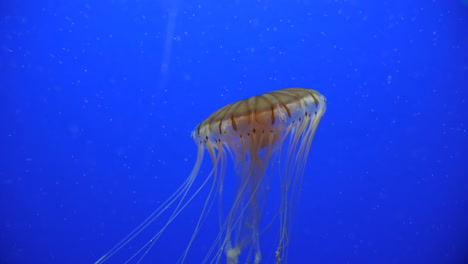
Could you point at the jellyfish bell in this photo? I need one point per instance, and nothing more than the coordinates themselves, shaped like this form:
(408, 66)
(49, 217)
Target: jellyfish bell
(266, 136)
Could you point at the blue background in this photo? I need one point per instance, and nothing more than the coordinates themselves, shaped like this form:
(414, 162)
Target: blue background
(98, 99)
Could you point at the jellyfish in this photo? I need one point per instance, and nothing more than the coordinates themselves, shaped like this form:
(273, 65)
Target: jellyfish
(265, 136)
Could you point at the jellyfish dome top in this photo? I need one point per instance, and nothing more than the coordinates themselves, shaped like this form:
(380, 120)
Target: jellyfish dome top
(267, 135)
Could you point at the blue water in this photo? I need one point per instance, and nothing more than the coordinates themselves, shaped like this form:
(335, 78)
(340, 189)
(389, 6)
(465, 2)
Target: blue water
(98, 99)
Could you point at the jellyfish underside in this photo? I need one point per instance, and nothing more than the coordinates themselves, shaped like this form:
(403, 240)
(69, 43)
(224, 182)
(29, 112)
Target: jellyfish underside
(266, 136)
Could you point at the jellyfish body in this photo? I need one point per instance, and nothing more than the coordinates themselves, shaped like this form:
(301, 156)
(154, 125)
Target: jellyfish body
(267, 135)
